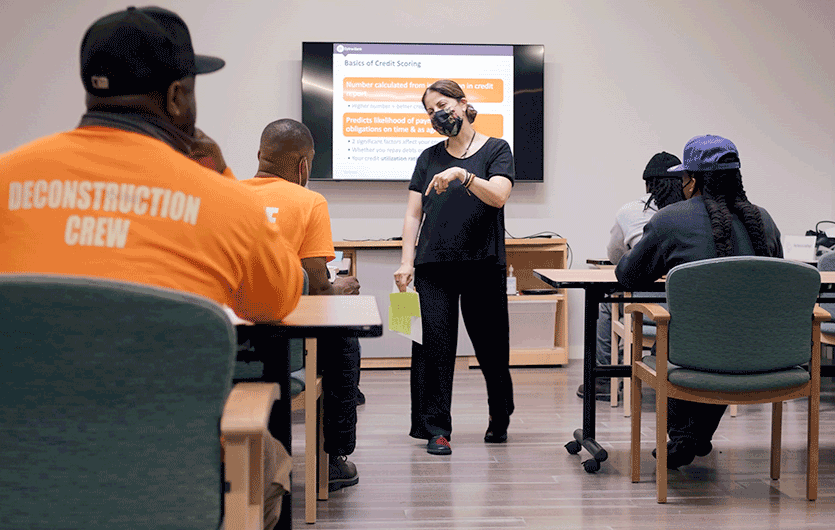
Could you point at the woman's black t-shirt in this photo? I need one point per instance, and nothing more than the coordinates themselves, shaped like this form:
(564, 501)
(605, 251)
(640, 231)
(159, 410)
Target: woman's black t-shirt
(457, 225)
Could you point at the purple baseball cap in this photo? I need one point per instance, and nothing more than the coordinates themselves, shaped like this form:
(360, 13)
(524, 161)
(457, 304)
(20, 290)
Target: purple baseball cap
(702, 153)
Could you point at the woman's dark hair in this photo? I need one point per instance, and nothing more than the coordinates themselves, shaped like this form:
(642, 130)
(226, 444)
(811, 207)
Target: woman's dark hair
(723, 194)
(664, 191)
(450, 89)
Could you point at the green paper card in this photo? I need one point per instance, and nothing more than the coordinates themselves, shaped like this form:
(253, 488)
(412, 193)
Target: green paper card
(404, 315)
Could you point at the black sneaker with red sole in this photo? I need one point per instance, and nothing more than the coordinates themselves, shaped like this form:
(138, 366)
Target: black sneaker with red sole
(438, 445)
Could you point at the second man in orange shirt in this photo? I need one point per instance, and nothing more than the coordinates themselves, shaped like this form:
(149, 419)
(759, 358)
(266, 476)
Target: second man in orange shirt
(285, 158)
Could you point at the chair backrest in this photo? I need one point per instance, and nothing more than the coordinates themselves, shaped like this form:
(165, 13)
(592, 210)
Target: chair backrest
(827, 263)
(112, 397)
(741, 314)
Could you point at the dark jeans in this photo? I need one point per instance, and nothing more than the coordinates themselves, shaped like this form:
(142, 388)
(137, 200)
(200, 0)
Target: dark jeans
(691, 422)
(339, 364)
(481, 288)
(604, 335)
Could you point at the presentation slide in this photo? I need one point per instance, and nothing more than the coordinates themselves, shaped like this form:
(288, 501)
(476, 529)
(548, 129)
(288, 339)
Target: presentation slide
(380, 126)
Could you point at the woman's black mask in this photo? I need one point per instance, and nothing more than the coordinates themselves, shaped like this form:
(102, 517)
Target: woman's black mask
(446, 123)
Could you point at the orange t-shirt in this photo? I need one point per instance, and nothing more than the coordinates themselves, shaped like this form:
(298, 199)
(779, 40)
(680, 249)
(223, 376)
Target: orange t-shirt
(103, 202)
(301, 214)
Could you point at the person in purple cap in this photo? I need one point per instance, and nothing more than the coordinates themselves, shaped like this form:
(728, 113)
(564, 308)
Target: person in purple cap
(716, 220)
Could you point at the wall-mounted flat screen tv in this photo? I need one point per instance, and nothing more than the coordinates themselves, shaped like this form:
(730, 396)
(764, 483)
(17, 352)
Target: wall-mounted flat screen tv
(362, 103)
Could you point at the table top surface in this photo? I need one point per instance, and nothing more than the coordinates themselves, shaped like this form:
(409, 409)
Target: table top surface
(606, 277)
(509, 242)
(314, 316)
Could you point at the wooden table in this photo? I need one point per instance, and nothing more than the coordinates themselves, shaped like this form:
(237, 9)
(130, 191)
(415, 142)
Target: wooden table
(374, 262)
(599, 285)
(314, 317)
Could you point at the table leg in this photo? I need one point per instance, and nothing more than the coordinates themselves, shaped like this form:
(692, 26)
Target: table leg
(277, 370)
(584, 438)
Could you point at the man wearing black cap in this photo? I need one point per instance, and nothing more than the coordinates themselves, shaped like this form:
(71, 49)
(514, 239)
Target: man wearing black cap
(143, 60)
(662, 188)
(118, 198)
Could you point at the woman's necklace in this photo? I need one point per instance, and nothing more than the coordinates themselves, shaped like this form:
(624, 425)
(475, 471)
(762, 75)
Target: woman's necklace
(468, 145)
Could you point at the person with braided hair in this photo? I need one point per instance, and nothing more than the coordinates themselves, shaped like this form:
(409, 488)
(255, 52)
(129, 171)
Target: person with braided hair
(716, 220)
(662, 188)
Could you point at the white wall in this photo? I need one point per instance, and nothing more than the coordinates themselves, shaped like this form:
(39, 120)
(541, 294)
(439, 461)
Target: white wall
(624, 79)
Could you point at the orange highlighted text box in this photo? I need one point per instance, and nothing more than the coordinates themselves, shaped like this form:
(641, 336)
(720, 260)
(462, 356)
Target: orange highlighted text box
(397, 125)
(401, 89)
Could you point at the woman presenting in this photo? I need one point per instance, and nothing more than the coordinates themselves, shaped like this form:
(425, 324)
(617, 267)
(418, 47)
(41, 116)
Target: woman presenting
(458, 191)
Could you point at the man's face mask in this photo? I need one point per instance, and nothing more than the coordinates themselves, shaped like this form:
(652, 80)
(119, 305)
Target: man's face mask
(446, 123)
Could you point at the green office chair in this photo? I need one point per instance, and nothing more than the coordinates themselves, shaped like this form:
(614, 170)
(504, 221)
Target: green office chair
(827, 263)
(738, 330)
(111, 411)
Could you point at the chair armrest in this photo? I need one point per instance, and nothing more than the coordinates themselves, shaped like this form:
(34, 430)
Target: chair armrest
(661, 317)
(247, 410)
(821, 314)
(655, 312)
(243, 428)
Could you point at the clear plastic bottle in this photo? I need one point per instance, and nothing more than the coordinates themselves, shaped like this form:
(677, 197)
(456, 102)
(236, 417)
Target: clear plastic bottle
(511, 281)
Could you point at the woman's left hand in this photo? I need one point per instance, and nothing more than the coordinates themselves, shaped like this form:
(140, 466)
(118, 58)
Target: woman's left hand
(441, 181)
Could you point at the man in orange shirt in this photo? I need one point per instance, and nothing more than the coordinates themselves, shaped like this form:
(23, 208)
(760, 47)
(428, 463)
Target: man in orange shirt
(118, 198)
(285, 157)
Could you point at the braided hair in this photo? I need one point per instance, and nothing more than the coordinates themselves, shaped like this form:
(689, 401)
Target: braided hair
(664, 191)
(723, 195)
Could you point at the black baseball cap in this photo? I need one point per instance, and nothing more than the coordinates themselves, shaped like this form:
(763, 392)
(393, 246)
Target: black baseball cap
(659, 165)
(139, 50)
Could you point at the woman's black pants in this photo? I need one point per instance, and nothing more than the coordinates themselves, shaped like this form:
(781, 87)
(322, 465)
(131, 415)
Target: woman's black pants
(481, 289)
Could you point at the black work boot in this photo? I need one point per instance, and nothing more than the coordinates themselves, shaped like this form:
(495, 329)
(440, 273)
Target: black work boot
(341, 473)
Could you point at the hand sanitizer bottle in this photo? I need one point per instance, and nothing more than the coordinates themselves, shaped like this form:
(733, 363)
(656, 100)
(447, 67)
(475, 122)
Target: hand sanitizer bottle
(511, 281)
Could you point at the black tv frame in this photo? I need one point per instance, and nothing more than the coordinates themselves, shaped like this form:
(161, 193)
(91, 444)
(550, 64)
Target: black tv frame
(528, 108)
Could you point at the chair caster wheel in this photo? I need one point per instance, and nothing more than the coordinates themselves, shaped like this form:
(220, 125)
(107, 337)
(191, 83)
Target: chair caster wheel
(573, 447)
(591, 465)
